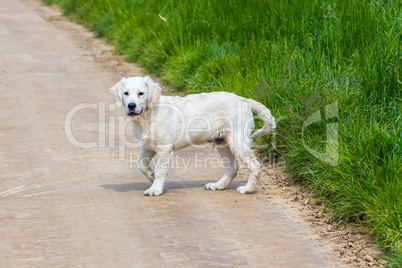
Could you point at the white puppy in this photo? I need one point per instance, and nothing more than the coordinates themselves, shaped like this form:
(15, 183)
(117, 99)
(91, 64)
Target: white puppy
(165, 124)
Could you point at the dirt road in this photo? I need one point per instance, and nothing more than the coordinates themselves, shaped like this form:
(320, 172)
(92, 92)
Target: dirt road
(66, 206)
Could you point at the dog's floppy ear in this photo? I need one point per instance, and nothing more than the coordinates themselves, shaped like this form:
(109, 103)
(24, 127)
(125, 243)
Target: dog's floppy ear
(154, 91)
(115, 91)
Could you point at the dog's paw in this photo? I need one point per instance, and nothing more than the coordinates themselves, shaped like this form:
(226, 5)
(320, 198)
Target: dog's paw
(153, 192)
(244, 190)
(213, 186)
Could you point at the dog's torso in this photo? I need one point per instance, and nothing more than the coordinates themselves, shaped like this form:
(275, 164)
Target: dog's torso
(194, 119)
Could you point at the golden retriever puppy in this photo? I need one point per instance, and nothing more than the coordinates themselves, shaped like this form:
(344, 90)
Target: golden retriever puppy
(165, 124)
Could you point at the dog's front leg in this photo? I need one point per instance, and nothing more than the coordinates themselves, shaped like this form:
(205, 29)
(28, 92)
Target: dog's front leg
(162, 167)
(144, 163)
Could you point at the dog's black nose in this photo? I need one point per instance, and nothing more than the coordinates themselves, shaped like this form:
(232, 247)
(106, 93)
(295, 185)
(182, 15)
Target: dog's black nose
(131, 106)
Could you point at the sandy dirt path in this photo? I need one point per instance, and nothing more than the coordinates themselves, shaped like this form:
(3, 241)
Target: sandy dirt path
(65, 206)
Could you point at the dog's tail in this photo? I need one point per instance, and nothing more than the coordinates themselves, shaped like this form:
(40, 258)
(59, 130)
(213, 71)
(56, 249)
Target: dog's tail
(264, 113)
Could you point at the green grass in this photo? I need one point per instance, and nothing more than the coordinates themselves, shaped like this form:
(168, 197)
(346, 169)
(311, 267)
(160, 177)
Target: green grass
(296, 57)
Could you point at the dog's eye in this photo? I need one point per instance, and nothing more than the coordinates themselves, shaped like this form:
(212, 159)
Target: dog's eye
(141, 93)
(126, 93)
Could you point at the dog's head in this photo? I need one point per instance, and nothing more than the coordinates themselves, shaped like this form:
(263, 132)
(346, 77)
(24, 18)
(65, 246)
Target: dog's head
(136, 94)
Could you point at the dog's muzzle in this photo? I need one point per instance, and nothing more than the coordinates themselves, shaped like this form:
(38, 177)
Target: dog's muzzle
(134, 114)
(131, 107)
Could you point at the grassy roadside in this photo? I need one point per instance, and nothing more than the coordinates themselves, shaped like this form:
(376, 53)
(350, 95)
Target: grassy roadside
(338, 59)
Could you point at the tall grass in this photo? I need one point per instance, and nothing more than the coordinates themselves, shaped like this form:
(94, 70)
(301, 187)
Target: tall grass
(296, 57)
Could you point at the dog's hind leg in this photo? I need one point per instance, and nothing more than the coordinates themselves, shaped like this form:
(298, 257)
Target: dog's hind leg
(247, 156)
(231, 168)
(144, 163)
